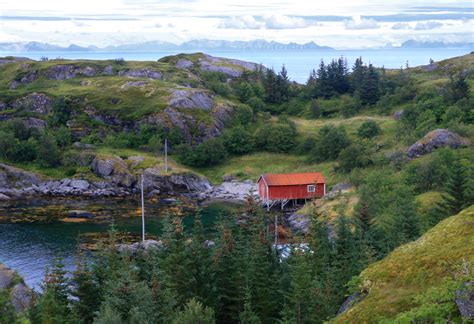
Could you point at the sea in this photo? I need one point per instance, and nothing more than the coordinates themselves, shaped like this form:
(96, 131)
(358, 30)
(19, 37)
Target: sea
(299, 63)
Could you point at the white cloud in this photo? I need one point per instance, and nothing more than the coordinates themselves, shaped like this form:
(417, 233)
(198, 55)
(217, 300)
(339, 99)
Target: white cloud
(360, 23)
(267, 22)
(401, 26)
(428, 25)
(241, 22)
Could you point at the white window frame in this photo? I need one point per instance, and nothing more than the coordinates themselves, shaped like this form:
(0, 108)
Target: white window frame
(311, 188)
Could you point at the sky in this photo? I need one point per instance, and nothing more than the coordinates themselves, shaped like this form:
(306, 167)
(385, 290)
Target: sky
(338, 23)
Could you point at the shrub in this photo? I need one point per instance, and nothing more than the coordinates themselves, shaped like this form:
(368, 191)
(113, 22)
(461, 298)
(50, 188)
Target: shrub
(257, 104)
(209, 153)
(276, 138)
(354, 156)
(238, 140)
(48, 151)
(331, 142)
(368, 129)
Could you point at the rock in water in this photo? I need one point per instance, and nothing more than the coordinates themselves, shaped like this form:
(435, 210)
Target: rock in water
(80, 214)
(436, 139)
(21, 297)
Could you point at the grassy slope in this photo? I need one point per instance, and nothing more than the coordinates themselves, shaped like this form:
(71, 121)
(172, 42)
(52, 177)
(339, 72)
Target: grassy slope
(412, 269)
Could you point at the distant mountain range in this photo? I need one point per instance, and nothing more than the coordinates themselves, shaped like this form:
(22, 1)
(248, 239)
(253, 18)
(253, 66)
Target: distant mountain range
(202, 44)
(209, 45)
(435, 44)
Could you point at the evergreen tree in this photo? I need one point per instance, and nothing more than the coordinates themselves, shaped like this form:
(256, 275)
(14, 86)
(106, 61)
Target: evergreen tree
(176, 262)
(86, 292)
(194, 313)
(369, 91)
(53, 305)
(456, 195)
(357, 76)
(248, 316)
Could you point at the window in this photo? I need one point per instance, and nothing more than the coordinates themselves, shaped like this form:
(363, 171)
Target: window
(311, 188)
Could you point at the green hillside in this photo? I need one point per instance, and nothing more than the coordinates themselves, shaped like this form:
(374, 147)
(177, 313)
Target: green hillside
(417, 281)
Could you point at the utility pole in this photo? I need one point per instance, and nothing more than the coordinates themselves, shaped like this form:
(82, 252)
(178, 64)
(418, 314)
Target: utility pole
(143, 211)
(166, 155)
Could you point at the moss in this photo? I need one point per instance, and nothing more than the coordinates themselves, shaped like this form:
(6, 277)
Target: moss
(396, 283)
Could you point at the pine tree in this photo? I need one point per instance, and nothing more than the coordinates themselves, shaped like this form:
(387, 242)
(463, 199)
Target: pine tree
(53, 305)
(369, 91)
(86, 292)
(194, 312)
(248, 316)
(176, 262)
(357, 76)
(453, 200)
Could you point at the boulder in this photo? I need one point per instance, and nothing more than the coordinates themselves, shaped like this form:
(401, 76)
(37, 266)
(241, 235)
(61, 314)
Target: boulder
(104, 167)
(34, 102)
(436, 139)
(398, 114)
(109, 70)
(37, 123)
(61, 72)
(465, 300)
(80, 214)
(141, 73)
(21, 297)
(184, 64)
(182, 182)
(191, 99)
(135, 161)
(79, 184)
(7, 277)
(25, 79)
(11, 177)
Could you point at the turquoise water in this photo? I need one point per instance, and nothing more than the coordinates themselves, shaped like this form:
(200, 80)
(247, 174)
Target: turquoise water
(30, 247)
(298, 62)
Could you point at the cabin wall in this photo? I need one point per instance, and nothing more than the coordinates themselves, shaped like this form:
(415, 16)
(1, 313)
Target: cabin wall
(293, 192)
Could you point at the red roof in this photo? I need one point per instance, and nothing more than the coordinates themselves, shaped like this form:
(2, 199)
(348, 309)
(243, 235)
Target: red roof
(292, 179)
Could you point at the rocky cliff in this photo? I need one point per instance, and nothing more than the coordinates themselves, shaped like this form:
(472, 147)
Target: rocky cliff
(120, 95)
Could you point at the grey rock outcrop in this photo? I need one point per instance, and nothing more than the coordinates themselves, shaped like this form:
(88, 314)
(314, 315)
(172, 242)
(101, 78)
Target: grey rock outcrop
(34, 102)
(231, 67)
(174, 183)
(436, 139)
(21, 297)
(191, 99)
(24, 79)
(31, 122)
(465, 300)
(61, 72)
(138, 247)
(141, 73)
(68, 71)
(14, 177)
(184, 64)
(79, 184)
(234, 190)
(299, 223)
(350, 301)
(115, 169)
(7, 277)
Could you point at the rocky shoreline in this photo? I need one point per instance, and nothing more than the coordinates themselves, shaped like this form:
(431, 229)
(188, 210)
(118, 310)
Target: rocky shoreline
(17, 184)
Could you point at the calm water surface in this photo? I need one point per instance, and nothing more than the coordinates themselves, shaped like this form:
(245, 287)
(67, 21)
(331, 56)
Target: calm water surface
(298, 62)
(28, 247)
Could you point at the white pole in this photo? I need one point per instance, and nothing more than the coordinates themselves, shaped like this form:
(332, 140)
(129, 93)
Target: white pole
(276, 230)
(166, 155)
(143, 212)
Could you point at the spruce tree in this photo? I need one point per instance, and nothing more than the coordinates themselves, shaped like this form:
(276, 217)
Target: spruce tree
(456, 195)
(86, 292)
(369, 91)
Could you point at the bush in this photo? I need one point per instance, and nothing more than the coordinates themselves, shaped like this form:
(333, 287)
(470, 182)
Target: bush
(368, 129)
(314, 109)
(205, 154)
(354, 156)
(257, 104)
(331, 142)
(238, 140)
(49, 154)
(276, 138)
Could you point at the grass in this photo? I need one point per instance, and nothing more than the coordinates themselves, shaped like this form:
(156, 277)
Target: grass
(251, 166)
(394, 283)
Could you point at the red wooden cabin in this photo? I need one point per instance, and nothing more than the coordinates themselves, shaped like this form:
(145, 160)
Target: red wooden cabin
(282, 188)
